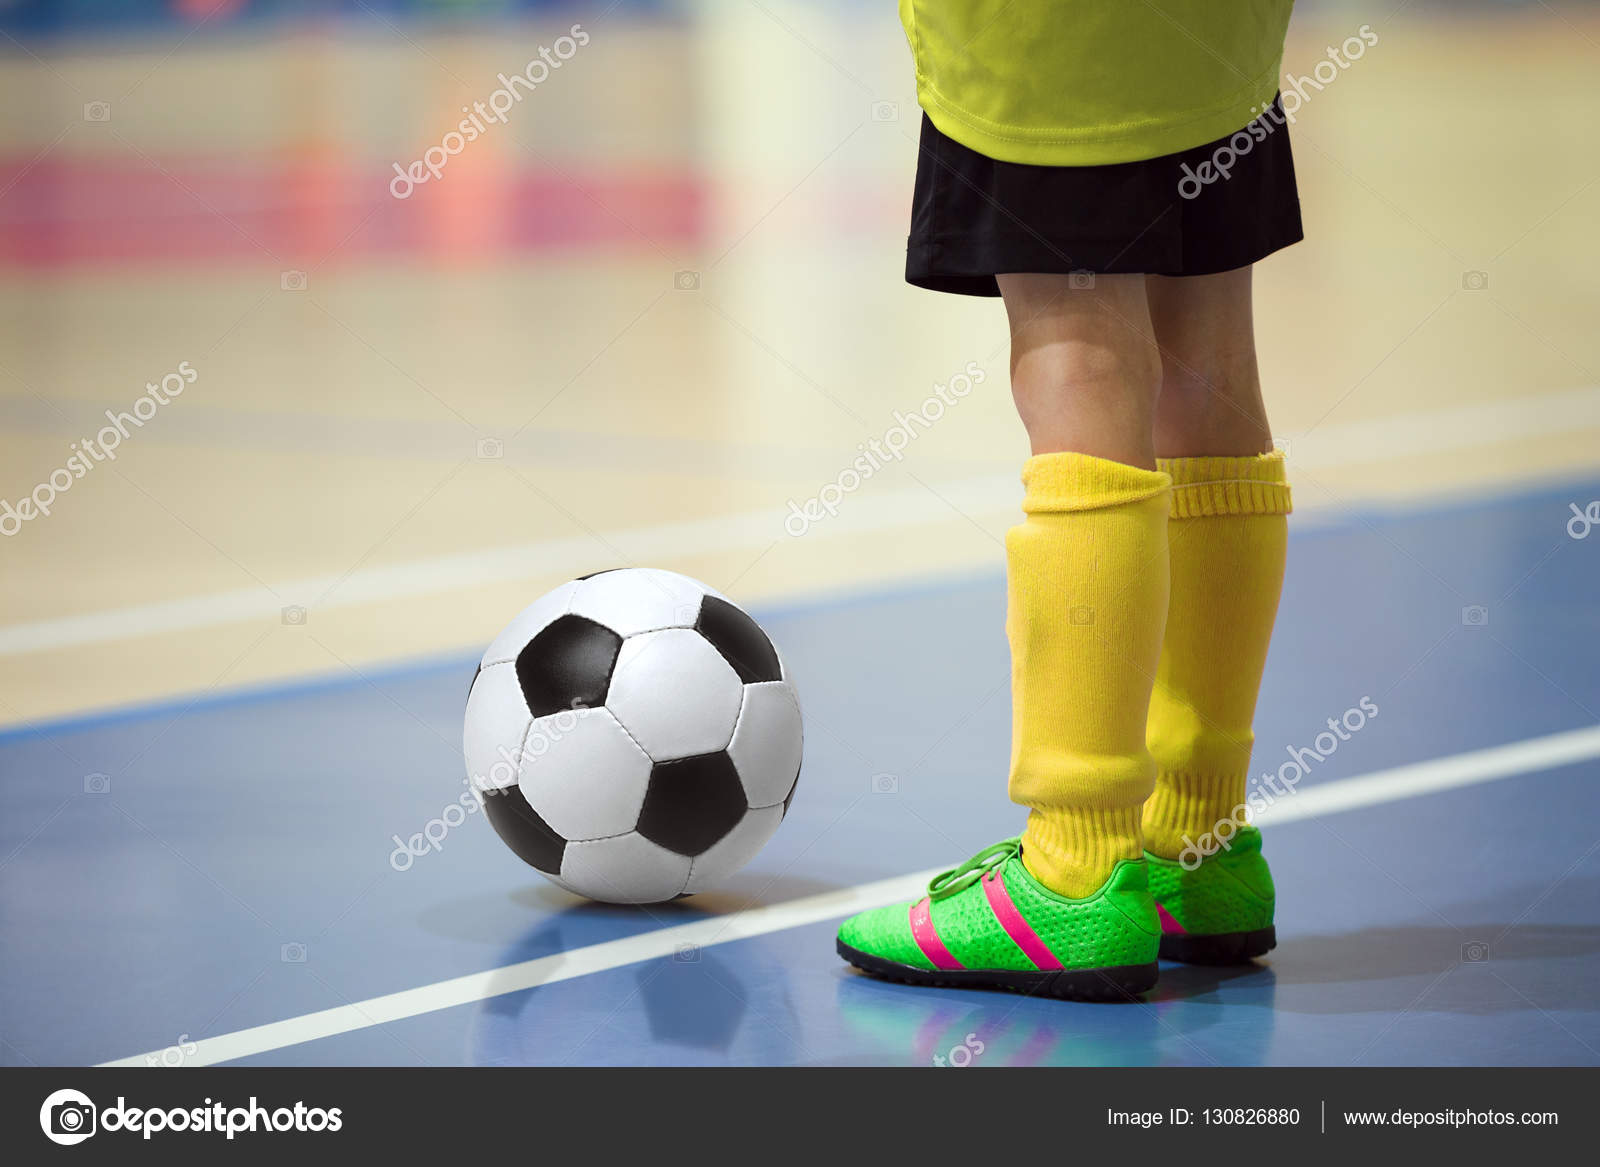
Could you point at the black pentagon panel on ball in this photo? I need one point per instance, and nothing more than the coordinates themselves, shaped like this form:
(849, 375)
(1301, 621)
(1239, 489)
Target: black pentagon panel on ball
(568, 666)
(602, 571)
(740, 641)
(691, 803)
(529, 836)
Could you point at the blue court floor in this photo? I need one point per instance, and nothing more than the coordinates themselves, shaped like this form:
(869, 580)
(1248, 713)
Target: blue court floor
(192, 870)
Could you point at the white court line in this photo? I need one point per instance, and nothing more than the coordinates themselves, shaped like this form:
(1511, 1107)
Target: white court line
(546, 970)
(1468, 769)
(900, 508)
(1524, 757)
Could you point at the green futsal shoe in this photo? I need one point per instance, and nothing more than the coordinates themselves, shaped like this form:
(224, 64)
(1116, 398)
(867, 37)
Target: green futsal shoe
(989, 924)
(1218, 910)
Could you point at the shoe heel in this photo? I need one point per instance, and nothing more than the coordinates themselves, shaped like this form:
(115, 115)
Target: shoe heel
(1223, 948)
(1126, 982)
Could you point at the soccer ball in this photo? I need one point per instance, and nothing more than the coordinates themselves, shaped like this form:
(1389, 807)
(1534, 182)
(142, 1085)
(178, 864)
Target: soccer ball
(634, 736)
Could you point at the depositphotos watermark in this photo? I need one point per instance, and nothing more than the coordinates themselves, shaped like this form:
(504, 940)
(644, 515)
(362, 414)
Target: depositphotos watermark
(483, 114)
(963, 1055)
(174, 1055)
(1295, 93)
(1583, 521)
(879, 452)
(87, 453)
(68, 1117)
(502, 777)
(1273, 786)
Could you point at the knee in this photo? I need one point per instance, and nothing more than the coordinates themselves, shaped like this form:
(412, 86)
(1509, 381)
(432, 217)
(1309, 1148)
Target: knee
(1121, 364)
(1203, 379)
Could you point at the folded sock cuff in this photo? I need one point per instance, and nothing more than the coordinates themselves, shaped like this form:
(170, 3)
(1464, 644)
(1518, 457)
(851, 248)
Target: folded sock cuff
(1055, 483)
(1252, 485)
(1186, 806)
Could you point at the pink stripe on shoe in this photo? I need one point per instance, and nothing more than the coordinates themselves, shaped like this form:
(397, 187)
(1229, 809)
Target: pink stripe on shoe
(1168, 925)
(927, 939)
(1016, 927)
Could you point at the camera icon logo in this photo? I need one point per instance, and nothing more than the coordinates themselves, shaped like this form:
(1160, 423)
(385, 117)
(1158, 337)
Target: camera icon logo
(294, 614)
(1081, 615)
(687, 954)
(97, 783)
(292, 281)
(292, 953)
(1474, 281)
(1081, 280)
(489, 449)
(885, 111)
(686, 281)
(67, 1117)
(97, 111)
(1474, 952)
(884, 784)
(1283, 446)
(1475, 616)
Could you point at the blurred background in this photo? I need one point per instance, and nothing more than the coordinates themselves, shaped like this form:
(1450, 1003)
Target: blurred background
(303, 395)
(651, 307)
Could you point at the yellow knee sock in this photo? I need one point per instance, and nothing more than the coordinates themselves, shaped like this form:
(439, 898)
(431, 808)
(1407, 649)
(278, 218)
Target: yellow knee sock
(1227, 538)
(1087, 574)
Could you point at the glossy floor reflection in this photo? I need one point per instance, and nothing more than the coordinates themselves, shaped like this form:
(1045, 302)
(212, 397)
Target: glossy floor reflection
(1457, 928)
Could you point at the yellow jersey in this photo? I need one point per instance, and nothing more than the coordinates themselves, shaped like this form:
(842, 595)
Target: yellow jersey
(1093, 82)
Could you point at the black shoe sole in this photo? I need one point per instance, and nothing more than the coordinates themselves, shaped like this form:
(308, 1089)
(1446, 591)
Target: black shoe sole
(1119, 983)
(1223, 948)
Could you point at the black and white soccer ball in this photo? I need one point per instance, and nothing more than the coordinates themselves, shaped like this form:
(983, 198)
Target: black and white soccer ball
(635, 736)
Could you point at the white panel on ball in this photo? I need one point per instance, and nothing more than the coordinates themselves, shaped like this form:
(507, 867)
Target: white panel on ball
(583, 774)
(557, 880)
(529, 622)
(767, 742)
(639, 599)
(497, 720)
(629, 869)
(674, 693)
(734, 849)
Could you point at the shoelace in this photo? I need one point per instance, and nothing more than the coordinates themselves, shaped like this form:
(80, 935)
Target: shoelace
(960, 878)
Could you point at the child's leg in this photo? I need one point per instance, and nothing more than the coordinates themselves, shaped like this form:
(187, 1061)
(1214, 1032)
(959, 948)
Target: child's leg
(1072, 915)
(1227, 538)
(1085, 370)
(1210, 402)
(1087, 571)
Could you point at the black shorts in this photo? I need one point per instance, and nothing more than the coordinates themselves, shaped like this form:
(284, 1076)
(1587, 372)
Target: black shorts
(1177, 215)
